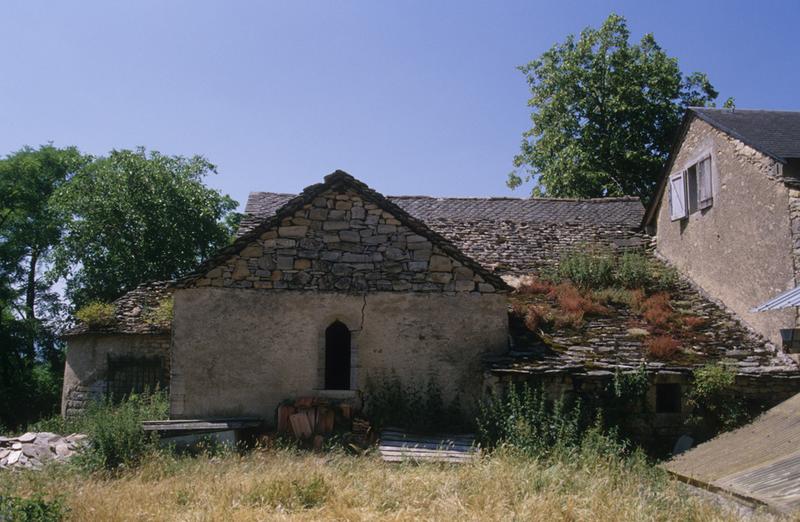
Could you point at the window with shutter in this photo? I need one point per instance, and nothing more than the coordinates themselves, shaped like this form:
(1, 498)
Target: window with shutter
(705, 195)
(677, 196)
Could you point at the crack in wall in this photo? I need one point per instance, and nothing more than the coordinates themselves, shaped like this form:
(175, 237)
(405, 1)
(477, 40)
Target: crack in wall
(363, 310)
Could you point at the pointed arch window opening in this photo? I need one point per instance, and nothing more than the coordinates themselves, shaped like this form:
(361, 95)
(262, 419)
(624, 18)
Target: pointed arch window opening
(337, 356)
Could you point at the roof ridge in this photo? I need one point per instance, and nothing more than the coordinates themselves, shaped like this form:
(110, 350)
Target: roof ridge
(605, 199)
(737, 109)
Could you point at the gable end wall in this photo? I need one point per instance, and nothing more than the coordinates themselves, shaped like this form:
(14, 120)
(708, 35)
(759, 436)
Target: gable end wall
(340, 242)
(739, 250)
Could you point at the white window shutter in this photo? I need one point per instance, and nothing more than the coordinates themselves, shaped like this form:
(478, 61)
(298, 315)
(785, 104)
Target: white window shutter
(677, 196)
(705, 196)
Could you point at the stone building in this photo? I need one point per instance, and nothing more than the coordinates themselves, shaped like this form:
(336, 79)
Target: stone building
(130, 353)
(407, 284)
(727, 212)
(325, 290)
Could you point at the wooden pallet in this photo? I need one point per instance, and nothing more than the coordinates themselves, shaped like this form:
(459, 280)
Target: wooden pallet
(398, 446)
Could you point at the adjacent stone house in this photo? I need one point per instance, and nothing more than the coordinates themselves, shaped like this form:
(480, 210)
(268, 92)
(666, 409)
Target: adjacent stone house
(727, 213)
(129, 354)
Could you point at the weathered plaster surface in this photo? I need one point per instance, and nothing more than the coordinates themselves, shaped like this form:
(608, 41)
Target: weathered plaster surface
(241, 352)
(739, 250)
(86, 368)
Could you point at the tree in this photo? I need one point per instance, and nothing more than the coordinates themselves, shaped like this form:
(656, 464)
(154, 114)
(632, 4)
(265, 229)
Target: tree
(135, 217)
(604, 113)
(30, 353)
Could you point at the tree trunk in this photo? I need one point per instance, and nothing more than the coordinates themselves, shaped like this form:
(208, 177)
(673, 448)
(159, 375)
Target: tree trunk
(30, 304)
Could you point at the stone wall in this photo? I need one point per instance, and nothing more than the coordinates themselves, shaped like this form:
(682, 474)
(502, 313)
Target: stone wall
(519, 248)
(341, 242)
(739, 251)
(655, 431)
(86, 368)
(240, 352)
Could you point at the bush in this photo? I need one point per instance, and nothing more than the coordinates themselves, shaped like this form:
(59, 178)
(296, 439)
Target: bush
(598, 269)
(115, 432)
(657, 310)
(662, 347)
(714, 399)
(35, 509)
(587, 269)
(97, 314)
(634, 270)
(524, 419)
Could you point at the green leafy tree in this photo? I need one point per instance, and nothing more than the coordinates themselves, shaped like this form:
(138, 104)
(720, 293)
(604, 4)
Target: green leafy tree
(30, 225)
(604, 113)
(138, 216)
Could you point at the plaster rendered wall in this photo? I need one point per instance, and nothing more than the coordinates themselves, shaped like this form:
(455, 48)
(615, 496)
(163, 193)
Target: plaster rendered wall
(739, 250)
(239, 352)
(86, 368)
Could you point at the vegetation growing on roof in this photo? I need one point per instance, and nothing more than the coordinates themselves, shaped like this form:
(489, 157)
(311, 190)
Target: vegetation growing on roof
(597, 268)
(161, 314)
(590, 284)
(97, 314)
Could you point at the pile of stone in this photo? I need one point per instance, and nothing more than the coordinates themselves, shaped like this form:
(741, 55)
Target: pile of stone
(33, 450)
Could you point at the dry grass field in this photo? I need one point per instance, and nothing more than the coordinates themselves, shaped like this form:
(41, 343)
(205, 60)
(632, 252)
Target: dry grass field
(289, 485)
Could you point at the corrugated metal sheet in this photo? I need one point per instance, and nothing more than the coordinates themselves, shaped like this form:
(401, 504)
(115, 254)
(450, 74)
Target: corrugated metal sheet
(785, 300)
(776, 484)
(397, 445)
(760, 461)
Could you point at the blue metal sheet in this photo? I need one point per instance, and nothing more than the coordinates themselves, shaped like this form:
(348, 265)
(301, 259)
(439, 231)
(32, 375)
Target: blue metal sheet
(785, 300)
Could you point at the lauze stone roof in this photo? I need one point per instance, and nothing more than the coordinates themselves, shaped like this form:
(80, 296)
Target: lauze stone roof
(131, 312)
(625, 211)
(506, 235)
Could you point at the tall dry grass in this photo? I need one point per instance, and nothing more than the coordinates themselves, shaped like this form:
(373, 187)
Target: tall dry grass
(284, 485)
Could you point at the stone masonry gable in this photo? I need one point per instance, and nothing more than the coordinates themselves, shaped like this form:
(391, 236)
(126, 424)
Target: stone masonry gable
(342, 236)
(510, 236)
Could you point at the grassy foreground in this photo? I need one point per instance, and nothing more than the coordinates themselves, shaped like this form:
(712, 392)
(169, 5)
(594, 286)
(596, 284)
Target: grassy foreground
(289, 485)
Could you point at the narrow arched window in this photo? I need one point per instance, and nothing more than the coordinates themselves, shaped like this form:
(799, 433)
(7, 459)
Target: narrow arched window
(337, 357)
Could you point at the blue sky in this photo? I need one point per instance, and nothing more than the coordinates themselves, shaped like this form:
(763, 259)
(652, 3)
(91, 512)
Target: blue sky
(413, 97)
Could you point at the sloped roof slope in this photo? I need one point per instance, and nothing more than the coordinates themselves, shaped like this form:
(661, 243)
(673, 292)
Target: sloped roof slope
(625, 211)
(131, 312)
(775, 133)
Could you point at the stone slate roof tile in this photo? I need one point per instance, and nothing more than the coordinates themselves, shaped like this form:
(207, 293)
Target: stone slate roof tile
(624, 211)
(605, 344)
(131, 312)
(775, 133)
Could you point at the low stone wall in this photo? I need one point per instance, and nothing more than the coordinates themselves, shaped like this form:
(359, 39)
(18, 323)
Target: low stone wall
(87, 365)
(657, 431)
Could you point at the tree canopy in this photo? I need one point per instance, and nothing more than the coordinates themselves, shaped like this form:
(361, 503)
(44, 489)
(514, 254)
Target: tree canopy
(104, 225)
(137, 216)
(604, 113)
(30, 226)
